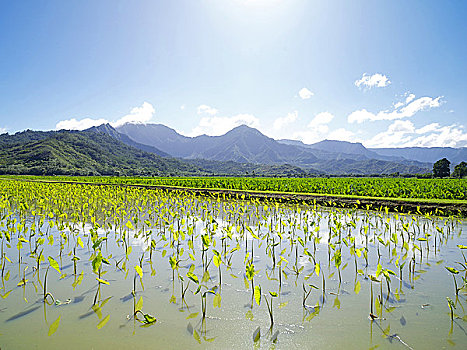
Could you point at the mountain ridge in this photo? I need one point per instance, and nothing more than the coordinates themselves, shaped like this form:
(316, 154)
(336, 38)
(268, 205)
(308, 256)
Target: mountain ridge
(246, 144)
(102, 151)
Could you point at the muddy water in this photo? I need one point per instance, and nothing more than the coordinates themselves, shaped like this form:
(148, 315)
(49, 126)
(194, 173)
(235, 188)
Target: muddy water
(414, 314)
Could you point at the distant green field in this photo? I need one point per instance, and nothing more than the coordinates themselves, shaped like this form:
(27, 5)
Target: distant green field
(431, 189)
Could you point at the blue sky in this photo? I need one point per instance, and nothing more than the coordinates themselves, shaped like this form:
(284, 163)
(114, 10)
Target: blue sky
(385, 73)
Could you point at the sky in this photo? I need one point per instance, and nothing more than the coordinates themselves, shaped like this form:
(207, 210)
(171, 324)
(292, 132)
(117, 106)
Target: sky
(384, 73)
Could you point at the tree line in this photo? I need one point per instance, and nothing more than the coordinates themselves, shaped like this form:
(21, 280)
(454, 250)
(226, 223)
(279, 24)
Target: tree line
(442, 168)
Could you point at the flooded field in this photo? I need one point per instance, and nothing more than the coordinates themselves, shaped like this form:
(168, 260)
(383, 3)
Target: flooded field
(86, 266)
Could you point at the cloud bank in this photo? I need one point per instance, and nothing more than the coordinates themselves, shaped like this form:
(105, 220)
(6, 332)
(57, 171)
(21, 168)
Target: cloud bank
(400, 111)
(214, 125)
(281, 122)
(139, 115)
(403, 133)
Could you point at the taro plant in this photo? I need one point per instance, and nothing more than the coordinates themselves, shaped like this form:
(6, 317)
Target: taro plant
(452, 306)
(454, 272)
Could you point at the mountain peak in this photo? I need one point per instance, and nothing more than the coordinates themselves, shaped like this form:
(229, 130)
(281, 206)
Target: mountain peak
(244, 129)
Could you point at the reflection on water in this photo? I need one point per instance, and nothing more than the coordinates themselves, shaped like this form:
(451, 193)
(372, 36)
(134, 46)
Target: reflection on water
(213, 271)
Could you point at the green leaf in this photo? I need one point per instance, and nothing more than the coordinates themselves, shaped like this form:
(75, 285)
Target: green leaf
(196, 336)
(217, 300)
(258, 294)
(54, 264)
(139, 270)
(378, 307)
(245, 282)
(4, 296)
(256, 334)
(102, 281)
(130, 226)
(206, 276)
(337, 303)
(53, 327)
(379, 269)
(139, 305)
(192, 315)
(78, 280)
(357, 288)
(149, 319)
(192, 277)
(217, 261)
(97, 310)
(452, 270)
(103, 322)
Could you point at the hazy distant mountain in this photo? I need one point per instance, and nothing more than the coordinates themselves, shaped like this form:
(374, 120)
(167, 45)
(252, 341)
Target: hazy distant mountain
(248, 145)
(158, 136)
(369, 167)
(426, 154)
(414, 154)
(241, 144)
(345, 149)
(242, 169)
(109, 130)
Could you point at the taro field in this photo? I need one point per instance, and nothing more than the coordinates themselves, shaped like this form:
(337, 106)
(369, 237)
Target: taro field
(86, 266)
(401, 188)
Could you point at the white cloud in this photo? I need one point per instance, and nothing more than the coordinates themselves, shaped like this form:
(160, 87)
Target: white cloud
(308, 136)
(305, 94)
(401, 126)
(2, 130)
(360, 116)
(74, 124)
(215, 126)
(404, 134)
(182, 107)
(375, 80)
(280, 122)
(409, 98)
(317, 128)
(445, 136)
(341, 134)
(398, 104)
(205, 109)
(428, 128)
(420, 104)
(138, 115)
(321, 119)
(394, 136)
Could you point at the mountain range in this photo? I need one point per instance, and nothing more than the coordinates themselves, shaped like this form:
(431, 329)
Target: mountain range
(245, 144)
(155, 149)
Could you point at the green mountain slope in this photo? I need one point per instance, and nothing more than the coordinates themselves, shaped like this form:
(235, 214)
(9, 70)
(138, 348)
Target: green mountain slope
(81, 153)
